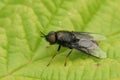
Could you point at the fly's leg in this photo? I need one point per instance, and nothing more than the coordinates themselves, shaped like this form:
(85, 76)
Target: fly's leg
(54, 55)
(67, 57)
(48, 46)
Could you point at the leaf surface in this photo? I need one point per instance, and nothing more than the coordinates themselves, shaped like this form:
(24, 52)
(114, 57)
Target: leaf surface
(23, 53)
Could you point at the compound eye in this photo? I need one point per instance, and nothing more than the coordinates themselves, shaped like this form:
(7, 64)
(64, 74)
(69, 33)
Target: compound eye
(52, 39)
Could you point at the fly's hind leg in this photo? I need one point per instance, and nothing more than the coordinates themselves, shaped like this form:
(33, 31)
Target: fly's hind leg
(54, 55)
(67, 57)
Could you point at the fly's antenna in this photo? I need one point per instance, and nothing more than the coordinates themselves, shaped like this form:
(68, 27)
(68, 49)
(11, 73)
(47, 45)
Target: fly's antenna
(42, 34)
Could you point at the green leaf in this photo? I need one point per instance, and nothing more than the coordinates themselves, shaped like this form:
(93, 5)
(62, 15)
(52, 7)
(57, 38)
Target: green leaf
(23, 53)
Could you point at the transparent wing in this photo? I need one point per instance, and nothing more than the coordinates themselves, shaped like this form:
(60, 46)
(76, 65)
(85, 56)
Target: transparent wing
(89, 36)
(98, 53)
(97, 36)
(89, 47)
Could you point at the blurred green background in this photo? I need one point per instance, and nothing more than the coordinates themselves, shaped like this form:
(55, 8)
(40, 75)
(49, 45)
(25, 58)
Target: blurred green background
(23, 53)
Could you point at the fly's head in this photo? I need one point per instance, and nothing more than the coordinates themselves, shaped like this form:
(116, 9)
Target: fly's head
(50, 37)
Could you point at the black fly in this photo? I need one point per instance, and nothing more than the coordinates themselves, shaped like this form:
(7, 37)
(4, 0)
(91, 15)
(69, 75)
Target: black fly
(82, 41)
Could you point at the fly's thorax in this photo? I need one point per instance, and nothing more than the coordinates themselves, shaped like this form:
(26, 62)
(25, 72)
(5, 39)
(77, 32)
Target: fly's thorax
(51, 37)
(63, 36)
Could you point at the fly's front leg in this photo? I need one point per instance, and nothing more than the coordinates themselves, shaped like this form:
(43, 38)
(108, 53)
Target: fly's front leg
(67, 57)
(54, 55)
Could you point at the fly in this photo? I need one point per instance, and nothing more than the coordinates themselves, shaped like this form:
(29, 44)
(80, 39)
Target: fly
(83, 41)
